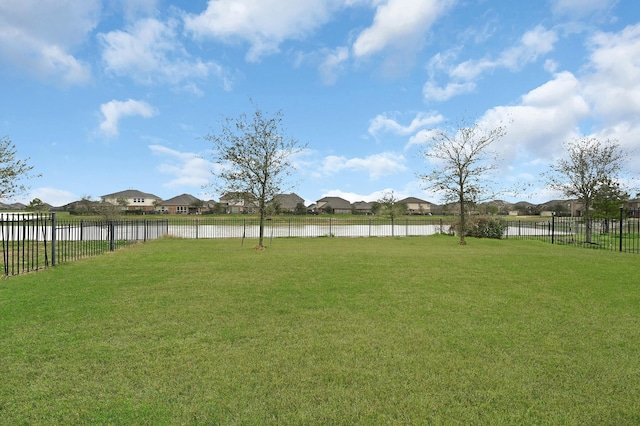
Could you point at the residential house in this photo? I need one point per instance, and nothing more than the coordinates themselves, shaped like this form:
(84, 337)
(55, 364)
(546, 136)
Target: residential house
(416, 205)
(362, 208)
(234, 202)
(562, 208)
(287, 203)
(633, 206)
(133, 200)
(182, 204)
(337, 205)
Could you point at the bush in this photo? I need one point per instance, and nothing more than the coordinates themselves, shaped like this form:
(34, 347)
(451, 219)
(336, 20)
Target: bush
(482, 227)
(486, 227)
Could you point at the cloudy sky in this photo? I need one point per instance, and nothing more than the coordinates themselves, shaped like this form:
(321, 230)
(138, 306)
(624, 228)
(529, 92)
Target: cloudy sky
(108, 95)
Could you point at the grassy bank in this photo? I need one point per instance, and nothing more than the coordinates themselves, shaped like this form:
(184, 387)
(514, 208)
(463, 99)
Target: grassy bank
(325, 331)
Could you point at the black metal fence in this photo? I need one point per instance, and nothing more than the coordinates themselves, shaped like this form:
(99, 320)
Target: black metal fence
(31, 242)
(35, 241)
(622, 234)
(303, 227)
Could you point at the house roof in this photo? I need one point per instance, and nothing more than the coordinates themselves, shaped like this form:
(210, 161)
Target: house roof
(362, 205)
(413, 200)
(335, 202)
(236, 196)
(131, 193)
(181, 200)
(289, 201)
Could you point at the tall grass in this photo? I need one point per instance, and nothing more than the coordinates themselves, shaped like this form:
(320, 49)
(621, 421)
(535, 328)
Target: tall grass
(325, 331)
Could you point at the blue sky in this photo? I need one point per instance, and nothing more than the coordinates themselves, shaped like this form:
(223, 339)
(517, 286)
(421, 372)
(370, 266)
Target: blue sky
(104, 96)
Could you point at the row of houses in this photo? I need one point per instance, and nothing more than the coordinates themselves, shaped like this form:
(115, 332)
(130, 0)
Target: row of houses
(140, 202)
(137, 201)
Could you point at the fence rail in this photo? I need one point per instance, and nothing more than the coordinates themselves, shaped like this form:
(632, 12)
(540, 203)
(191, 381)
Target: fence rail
(31, 242)
(35, 241)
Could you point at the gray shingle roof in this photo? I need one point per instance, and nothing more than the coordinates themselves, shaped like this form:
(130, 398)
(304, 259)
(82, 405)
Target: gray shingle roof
(180, 200)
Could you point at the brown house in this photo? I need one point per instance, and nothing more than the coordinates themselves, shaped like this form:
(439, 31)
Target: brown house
(287, 203)
(182, 204)
(362, 207)
(336, 204)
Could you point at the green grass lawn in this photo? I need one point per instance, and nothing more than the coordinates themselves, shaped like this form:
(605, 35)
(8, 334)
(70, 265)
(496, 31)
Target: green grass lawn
(325, 331)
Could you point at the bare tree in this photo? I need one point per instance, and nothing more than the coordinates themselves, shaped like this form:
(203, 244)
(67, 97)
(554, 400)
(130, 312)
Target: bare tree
(12, 170)
(590, 164)
(461, 161)
(255, 156)
(388, 206)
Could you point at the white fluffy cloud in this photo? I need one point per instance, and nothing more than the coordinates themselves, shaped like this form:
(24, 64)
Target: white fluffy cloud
(545, 117)
(383, 123)
(399, 23)
(38, 36)
(188, 168)
(264, 24)
(432, 92)
(377, 165)
(53, 196)
(614, 85)
(149, 51)
(114, 110)
(533, 45)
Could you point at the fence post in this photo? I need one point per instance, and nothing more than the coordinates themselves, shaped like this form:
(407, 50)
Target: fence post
(112, 237)
(621, 225)
(553, 228)
(197, 223)
(53, 239)
(330, 231)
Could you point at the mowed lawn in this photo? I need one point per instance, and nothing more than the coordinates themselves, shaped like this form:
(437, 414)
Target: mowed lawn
(325, 331)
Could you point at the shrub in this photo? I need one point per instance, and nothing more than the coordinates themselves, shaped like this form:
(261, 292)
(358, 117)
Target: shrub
(481, 227)
(486, 227)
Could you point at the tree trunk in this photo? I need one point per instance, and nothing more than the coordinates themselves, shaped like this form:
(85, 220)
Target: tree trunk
(261, 238)
(463, 221)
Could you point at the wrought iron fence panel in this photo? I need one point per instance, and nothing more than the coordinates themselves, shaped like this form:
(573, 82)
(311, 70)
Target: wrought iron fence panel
(34, 241)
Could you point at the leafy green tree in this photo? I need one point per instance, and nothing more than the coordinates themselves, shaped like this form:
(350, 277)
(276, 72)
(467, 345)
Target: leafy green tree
(560, 209)
(492, 209)
(300, 209)
(108, 211)
(390, 208)
(590, 163)
(86, 206)
(36, 205)
(461, 160)
(12, 170)
(255, 158)
(196, 205)
(608, 199)
(218, 208)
